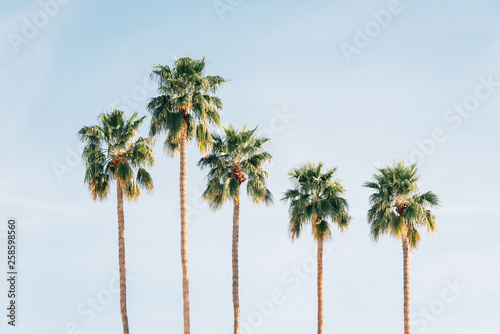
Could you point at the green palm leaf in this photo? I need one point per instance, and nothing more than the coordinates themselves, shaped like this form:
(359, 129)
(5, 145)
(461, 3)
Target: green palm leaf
(237, 157)
(112, 152)
(398, 208)
(185, 99)
(316, 196)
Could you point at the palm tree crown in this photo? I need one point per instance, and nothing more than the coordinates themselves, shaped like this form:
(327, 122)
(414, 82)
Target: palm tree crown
(185, 99)
(236, 158)
(316, 197)
(397, 206)
(111, 152)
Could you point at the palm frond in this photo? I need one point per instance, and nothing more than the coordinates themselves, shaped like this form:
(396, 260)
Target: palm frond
(235, 157)
(315, 197)
(397, 206)
(111, 153)
(184, 98)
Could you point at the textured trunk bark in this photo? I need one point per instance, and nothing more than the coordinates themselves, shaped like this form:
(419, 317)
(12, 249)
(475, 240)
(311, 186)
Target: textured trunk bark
(320, 286)
(121, 257)
(406, 287)
(184, 255)
(236, 236)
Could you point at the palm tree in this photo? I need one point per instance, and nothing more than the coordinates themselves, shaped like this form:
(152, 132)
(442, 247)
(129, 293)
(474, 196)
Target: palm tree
(315, 197)
(399, 209)
(112, 153)
(185, 110)
(236, 158)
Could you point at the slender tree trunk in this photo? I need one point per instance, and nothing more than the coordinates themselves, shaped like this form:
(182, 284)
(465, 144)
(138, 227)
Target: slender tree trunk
(121, 257)
(236, 237)
(320, 286)
(184, 254)
(406, 287)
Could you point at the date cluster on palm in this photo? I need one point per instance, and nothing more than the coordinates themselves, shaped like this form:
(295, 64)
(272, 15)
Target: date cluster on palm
(117, 160)
(237, 174)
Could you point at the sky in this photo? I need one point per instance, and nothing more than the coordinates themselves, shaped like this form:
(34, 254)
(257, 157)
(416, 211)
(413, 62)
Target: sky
(355, 85)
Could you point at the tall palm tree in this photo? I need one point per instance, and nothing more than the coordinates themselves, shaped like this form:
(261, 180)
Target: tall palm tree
(316, 196)
(185, 110)
(236, 158)
(398, 209)
(112, 153)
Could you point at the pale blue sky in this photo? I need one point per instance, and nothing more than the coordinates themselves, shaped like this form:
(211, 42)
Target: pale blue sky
(283, 58)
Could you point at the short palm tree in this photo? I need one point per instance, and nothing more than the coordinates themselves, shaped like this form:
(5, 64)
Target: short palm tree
(315, 198)
(236, 158)
(398, 209)
(112, 153)
(185, 110)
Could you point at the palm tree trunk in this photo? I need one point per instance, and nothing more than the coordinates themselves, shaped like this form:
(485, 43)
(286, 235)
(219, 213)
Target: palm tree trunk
(184, 255)
(121, 257)
(320, 286)
(236, 236)
(406, 287)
